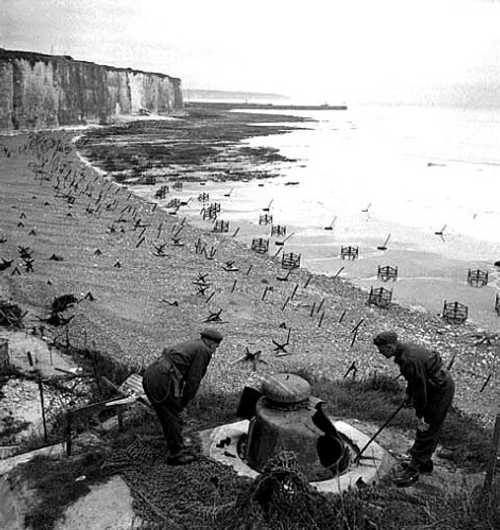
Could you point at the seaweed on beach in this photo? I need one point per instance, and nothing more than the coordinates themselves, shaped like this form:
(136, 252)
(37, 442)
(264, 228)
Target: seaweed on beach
(200, 140)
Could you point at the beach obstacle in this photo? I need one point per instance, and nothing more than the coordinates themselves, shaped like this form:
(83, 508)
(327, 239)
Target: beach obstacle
(210, 297)
(278, 230)
(214, 316)
(384, 245)
(477, 278)
(265, 219)
(211, 211)
(203, 197)
(330, 226)
(174, 203)
(440, 233)
(161, 192)
(349, 252)
(211, 253)
(281, 243)
(221, 226)
(251, 357)
(281, 347)
(284, 278)
(353, 369)
(260, 245)
(229, 266)
(290, 260)
(201, 284)
(5, 264)
(160, 250)
(268, 207)
(455, 312)
(380, 297)
(387, 273)
(177, 242)
(174, 303)
(485, 384)
(177, 185)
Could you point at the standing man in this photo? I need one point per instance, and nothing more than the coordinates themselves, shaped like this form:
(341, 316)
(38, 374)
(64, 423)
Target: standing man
(172, 381)
(430, 391)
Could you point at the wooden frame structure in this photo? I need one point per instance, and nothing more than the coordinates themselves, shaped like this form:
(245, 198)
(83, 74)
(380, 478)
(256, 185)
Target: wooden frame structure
(349, 252)
(278, 230)
(290, 260)
(260, 245)
(387, 273)
(221, 226)
(455, 312)
(265, 219)
(477, 278)
(380, 297)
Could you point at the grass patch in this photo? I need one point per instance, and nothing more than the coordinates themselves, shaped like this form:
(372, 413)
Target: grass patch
(207, 495)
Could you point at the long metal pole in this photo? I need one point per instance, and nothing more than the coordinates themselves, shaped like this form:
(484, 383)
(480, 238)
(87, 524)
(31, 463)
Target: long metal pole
(393, 415)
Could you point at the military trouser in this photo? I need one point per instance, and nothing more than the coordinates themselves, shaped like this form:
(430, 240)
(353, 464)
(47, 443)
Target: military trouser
(158, 387)
(426, 442)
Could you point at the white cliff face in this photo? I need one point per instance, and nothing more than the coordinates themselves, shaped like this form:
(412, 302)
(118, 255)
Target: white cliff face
(46, 91)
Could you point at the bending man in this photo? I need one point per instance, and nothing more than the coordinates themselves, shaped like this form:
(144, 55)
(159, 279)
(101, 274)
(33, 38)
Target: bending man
(430, 391)
(172, 381)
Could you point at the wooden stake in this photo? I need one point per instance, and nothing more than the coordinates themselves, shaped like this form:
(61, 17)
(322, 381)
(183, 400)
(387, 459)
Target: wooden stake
(320, 305)
(285, 304)
(40, 388)
(210, 297)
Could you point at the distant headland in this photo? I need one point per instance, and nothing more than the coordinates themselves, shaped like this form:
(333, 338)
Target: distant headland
(261, 106)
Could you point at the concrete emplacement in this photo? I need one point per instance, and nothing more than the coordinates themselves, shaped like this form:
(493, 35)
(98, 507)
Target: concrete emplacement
(285, 417)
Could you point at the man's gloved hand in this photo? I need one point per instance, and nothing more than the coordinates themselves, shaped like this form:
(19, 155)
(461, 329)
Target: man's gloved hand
(422, 426)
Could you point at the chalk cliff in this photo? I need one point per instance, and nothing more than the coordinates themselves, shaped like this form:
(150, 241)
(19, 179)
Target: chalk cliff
(38, 90)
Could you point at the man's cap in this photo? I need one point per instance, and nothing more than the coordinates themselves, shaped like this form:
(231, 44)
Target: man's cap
(386, 337)
(212, 334)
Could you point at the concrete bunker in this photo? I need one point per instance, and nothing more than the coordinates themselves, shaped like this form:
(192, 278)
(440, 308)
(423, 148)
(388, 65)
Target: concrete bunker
(282, 415)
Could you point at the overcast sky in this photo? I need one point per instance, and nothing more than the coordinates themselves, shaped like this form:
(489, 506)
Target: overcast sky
(326, 50)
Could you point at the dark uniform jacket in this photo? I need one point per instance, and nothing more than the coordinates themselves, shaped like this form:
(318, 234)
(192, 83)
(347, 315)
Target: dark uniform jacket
(424, 372)
(185, 365)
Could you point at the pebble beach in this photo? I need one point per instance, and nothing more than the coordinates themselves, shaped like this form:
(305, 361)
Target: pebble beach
(135, 299)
